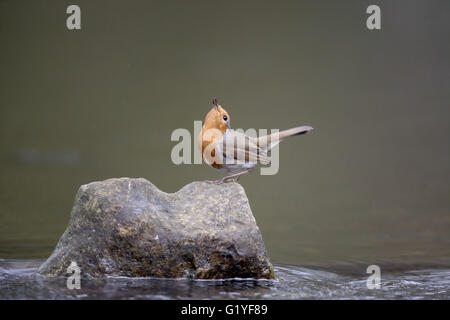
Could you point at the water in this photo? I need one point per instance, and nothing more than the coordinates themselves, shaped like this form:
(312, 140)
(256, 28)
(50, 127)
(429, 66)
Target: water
(368, 186)
(19, 281)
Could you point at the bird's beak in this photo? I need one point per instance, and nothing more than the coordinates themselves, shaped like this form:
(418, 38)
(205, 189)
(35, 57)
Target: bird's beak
(215, 104)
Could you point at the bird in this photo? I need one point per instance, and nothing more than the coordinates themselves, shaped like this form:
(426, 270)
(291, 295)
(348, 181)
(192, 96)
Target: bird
(233, 151)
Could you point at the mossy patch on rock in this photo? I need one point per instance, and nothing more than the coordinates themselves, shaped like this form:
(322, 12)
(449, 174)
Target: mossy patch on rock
(128, 227)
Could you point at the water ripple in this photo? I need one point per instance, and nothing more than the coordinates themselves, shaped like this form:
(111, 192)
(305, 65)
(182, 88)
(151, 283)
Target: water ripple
(18, 280)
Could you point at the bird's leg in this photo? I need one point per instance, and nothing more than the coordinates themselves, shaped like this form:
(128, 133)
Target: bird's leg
(234, 177)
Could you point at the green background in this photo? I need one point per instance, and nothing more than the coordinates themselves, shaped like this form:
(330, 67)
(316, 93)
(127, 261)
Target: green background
(369, 184)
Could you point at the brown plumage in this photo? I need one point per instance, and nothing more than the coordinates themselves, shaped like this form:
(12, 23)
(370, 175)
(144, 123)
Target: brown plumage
(232, 151)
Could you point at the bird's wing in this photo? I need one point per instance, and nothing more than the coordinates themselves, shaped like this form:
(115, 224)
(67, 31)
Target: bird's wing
(238, 146)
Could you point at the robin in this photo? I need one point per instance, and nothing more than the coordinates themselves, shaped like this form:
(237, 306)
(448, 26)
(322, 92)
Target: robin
(232, 151)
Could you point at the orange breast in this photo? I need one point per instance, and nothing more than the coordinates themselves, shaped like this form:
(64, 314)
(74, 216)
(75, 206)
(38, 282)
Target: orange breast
(209, 157)
(212, 131)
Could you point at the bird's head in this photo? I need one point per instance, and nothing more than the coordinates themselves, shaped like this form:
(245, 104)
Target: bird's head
(217, 117)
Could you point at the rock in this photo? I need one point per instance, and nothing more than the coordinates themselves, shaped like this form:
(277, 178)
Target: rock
(128, 227)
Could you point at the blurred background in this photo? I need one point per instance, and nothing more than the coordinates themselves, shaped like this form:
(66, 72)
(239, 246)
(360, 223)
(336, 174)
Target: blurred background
(369, 184)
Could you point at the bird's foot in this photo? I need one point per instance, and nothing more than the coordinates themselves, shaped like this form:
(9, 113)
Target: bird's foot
(233, 178)
(223, 180)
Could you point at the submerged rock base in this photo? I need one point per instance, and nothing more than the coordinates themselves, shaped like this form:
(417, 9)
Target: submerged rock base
(128, 227)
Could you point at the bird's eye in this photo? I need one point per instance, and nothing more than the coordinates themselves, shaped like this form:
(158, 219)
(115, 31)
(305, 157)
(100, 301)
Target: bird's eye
(225, 118)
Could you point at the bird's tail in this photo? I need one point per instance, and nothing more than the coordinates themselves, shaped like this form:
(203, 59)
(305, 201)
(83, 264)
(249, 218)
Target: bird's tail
(273, 139)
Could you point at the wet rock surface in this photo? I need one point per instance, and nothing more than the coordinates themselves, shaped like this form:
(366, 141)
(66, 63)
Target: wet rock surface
(128, 227)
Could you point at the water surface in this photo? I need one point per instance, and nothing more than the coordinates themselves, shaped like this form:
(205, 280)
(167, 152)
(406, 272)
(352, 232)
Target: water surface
(19, 281)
